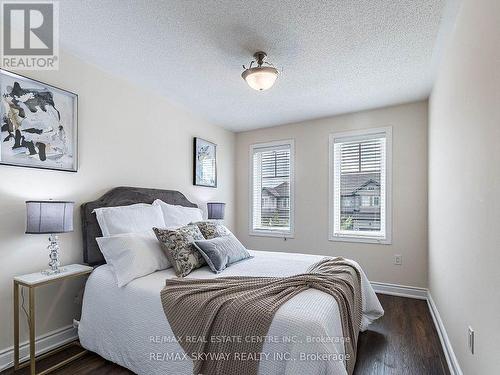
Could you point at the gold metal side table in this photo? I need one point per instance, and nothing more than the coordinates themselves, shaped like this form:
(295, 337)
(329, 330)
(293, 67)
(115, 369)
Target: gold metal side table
(32, 281)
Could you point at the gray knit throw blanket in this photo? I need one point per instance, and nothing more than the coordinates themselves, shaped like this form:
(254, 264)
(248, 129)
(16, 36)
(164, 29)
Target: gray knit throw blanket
(241, 306)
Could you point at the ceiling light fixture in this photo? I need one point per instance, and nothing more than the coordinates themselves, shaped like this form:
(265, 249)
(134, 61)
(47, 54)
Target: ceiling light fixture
(260, 77)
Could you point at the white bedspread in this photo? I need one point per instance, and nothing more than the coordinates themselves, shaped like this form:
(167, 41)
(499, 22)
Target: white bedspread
(128, 326)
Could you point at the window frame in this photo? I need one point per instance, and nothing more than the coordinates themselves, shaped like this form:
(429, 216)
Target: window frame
(387, 239)
(272, 232)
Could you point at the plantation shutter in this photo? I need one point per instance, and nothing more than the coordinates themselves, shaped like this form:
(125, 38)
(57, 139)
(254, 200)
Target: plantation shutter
(271, 198)
(360, 185)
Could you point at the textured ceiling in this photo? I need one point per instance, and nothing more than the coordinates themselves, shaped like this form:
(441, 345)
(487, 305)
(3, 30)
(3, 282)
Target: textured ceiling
(337, 56)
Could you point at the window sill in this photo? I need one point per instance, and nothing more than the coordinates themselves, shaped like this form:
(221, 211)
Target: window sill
(372, 240)
(286, 235)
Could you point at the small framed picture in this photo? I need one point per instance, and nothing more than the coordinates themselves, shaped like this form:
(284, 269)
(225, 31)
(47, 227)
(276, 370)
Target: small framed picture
(39, 124)
(205, 163)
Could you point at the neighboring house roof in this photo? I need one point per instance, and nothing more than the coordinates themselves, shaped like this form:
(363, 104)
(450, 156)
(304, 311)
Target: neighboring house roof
(351, 183)
(369, 182)
(280, 191)
(271, 191)
(283, 189)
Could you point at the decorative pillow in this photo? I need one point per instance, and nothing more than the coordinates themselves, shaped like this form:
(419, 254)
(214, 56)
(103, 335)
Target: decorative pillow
(212, 229)
(136, 218)
(179, 248)
(178, 216)
(132, 255)
(220, 252)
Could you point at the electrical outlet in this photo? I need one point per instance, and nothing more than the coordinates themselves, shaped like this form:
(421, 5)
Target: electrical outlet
(398, 259)
(470, 340)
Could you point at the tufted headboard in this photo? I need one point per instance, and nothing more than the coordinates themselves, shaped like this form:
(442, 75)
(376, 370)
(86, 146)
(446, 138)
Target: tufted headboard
(120, 196)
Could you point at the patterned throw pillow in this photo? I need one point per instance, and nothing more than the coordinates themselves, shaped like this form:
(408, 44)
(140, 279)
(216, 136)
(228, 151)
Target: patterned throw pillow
(179, 248)
(212, 229)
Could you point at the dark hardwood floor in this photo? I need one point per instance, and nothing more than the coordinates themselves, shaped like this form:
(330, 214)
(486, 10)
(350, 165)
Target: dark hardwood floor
(403, 342)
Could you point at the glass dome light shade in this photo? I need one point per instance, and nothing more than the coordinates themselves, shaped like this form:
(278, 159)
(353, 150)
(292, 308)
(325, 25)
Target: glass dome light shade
(260, 78)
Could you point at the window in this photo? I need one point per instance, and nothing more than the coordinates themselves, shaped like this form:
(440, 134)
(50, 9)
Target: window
(285, 202)
(360, 186)
(271, 193)
(365, 201)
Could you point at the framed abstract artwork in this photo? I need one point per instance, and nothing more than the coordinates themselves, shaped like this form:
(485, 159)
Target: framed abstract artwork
(39, 124)
(205, 163)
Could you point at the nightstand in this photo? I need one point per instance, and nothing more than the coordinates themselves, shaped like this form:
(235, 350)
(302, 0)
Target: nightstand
(32, 281)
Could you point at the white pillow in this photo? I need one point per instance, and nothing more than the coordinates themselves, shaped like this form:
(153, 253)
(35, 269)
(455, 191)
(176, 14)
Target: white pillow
(135, 218)
(178, 216)
(133, 255)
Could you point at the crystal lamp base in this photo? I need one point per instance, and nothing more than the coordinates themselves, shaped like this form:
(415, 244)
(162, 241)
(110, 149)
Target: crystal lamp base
(53, 256)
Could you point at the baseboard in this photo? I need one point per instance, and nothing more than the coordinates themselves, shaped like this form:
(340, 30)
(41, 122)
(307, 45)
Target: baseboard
(451, 359)
(43, 343)
(399, 290)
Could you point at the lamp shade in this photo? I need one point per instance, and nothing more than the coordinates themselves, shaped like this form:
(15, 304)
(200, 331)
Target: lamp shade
(49, 217)
(216, 210)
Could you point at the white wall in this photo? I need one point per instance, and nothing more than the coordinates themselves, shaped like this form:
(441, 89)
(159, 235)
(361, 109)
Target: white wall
(127, 136)
(409, 123)
(464, 187)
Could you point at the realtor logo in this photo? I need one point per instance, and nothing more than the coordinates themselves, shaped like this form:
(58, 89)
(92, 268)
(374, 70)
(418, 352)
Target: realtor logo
(30, 35)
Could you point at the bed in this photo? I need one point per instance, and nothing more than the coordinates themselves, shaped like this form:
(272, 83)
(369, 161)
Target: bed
(127, 325)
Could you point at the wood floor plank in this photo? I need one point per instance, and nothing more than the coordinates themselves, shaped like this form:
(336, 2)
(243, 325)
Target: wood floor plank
(403, 342)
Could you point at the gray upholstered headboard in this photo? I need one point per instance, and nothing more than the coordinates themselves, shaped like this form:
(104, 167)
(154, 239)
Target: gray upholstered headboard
(120, 196)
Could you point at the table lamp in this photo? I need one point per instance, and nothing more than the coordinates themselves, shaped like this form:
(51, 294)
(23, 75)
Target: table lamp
(50, 217)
